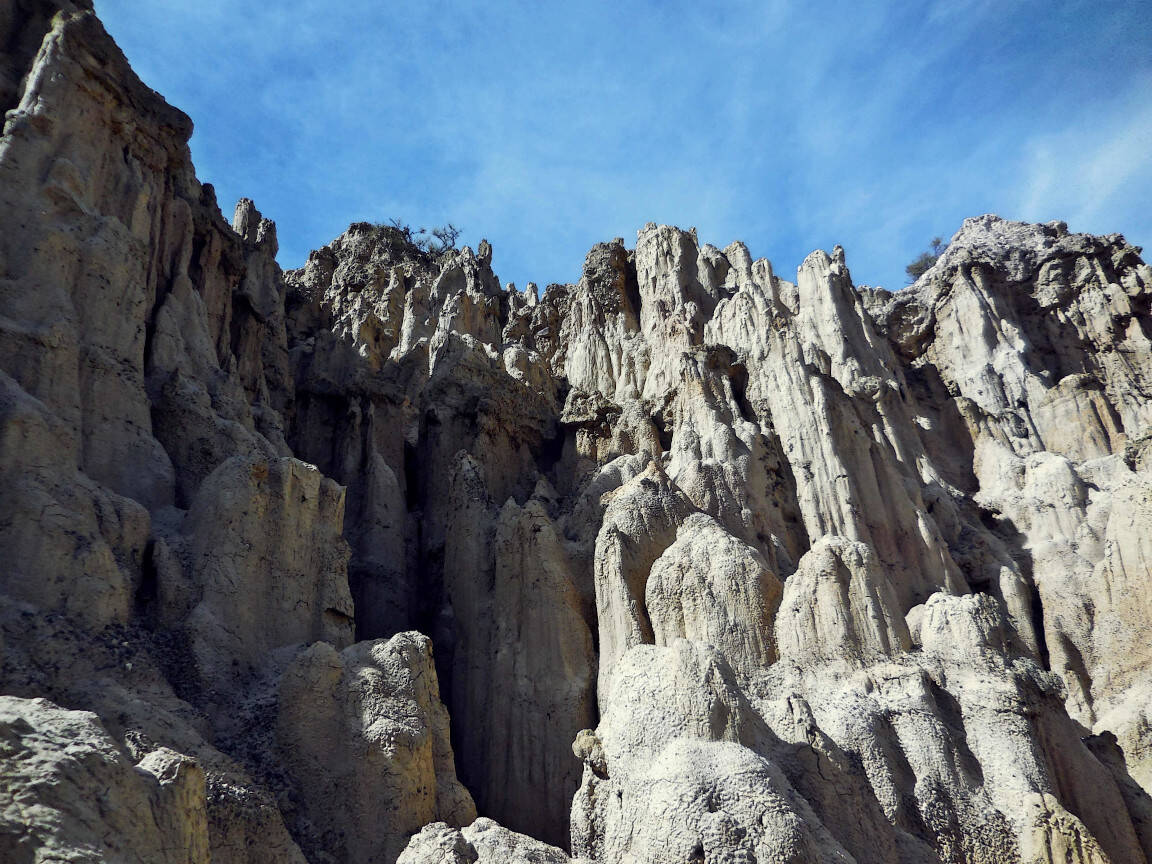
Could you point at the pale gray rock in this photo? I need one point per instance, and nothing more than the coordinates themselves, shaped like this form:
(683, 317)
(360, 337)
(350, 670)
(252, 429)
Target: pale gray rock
(72, 306)
(1047, 391)
(144, 347)
(906, 533)
(710, 587)
(542, 675)
(482, 842)
(439, 843)
(74, 545)
(129, 680)
(523, 662)
(69, 793)
(366, 743)
(678, 780)
(640, 522)
(603, 351)
(828, 387)
(267, 565)
(839, 607)
(959, 745)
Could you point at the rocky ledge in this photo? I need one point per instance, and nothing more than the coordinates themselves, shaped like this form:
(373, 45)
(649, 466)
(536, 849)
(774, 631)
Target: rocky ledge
(378, 560)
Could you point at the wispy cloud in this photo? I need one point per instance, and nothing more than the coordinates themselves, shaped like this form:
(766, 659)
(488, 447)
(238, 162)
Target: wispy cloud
(546, 127)
(1087, 171)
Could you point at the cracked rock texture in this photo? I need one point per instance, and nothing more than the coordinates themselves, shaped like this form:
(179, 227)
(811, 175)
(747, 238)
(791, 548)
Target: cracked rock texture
(377, 560)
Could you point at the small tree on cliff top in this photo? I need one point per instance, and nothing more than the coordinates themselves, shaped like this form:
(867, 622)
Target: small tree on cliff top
(922, 264)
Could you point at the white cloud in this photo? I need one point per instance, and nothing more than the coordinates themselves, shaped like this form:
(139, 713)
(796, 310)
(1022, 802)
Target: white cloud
(1096, 171)
(544, 127)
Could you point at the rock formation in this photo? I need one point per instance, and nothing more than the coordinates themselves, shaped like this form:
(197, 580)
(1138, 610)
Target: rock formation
(377, 560)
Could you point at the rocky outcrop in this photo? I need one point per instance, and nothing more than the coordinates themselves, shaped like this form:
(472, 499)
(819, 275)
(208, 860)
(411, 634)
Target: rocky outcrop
(711, 587)
(169, 556)
(711, 565)
(68, 793)
(676, 771)
(364, 740)
(839, 607)
(1053, 397)
(482, 842)
(957, 727)
(267, 566)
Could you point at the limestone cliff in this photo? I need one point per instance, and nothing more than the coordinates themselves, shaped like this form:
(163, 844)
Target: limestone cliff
(377, 560)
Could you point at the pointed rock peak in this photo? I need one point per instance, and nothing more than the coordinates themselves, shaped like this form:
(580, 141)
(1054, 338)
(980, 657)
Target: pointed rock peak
(248, 222)
(245, 218)
(817, 259)
(738, 256)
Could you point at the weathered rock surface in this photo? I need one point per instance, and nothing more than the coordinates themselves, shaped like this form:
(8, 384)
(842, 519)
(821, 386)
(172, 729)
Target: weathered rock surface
(167, 555)
(716, 566)
(679, 771)
(267, 564)
(840, 607)
(69, 793)
(961, 728)
(482, 842)
(365, 727)
(711, 587)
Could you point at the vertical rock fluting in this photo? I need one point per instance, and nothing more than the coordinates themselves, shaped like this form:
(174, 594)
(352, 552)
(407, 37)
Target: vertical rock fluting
(1054, 396)
(167, 555)
(711, 565)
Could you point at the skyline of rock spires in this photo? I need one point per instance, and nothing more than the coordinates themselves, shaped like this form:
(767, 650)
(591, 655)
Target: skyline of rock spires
(375, 560)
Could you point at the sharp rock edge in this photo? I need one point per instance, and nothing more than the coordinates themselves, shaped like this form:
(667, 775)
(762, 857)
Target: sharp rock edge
(376, 560)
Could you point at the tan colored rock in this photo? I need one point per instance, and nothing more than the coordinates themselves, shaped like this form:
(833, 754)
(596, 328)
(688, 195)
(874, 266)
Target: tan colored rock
(183, 814)
(67, 792)
(365, 742)
(1058, 836)
(267, 565)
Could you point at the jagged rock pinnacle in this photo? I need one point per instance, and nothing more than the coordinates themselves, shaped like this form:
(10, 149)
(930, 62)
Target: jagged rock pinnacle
(376, 561)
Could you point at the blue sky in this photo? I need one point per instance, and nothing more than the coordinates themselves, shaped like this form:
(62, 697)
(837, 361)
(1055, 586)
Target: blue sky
(547, 127)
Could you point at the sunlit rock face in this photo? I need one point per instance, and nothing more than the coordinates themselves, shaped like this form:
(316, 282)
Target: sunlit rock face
(377, 560)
